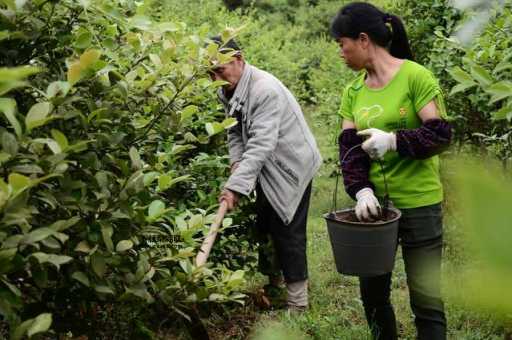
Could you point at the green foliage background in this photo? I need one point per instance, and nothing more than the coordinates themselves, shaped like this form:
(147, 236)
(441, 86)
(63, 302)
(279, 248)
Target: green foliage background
(113, 153)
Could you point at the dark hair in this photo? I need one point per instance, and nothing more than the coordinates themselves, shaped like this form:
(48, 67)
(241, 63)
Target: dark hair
(360, 17)
(225, 46)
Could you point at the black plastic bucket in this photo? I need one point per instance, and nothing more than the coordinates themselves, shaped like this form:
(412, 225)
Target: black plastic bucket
(363, 249)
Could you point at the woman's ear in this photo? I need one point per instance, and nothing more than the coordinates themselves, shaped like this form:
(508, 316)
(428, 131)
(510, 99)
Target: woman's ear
(364, 39)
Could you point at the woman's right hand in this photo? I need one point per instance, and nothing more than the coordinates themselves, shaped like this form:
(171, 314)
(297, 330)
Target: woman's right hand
(367, 207)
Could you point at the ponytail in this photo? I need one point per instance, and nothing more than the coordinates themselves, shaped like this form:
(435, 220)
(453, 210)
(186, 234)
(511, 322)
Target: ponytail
(399, 46)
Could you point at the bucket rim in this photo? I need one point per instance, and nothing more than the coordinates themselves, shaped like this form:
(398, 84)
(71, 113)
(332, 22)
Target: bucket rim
(328, 216)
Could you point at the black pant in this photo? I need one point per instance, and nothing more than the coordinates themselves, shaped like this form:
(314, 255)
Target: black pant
(420, 234)
(282, 247)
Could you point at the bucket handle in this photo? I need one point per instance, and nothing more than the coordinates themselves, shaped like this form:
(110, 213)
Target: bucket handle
(338, 173)
(334, 205)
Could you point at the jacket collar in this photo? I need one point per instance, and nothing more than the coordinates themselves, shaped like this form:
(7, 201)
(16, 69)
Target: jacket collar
(240, 95)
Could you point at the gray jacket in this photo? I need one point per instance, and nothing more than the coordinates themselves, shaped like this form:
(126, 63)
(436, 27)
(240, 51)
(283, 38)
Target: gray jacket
(272, 142)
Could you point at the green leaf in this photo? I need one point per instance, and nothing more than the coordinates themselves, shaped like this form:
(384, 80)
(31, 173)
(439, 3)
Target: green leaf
(7, 86)
(156, 209)
(107, 231)
(79, 146)
(481, 75)
(141, 22)
(167, 27)
(37, 235)
(217, 297)
(60, 138)
(196, 221)
(11, 78)
(17, 73)
(28, 169)
(190, 138)
(4, 35)
(41, 324)
(85, 3)
(104, 289)
(8, 108)
(155, 59)
(56, 260)
(502, 66)
(9, 143)
(37, 115)
(52, 243)
(52, 144)
(135, 158)
(83, 247)
(74, 73)
(89, 57)
(236, 279)
(186, 266)
(213, 128)
(461, 76)
(6, 256)
(58, 89)
(212, 49)
(461, 88)
(60, 236)
(227, 222)
(98, 264)
(229, 122)
(164, 182)
(124, 246)
(180, 223)
(62, 225)
(4, 157)
(150, 177)
(188, 112)
(11, 4)
(82, 278)
(499, 91)
(22, 329)
(504, 113)
(12, 288)
(134, 183)
(83, 40)
(12, 242)
(18, 183)
(179, 148)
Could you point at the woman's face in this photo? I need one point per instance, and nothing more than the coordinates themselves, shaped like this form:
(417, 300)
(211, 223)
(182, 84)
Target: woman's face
(353, 52)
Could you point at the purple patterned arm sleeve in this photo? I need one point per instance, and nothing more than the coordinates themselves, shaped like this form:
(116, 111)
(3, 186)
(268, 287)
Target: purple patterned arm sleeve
(356, 164)
(432, 138)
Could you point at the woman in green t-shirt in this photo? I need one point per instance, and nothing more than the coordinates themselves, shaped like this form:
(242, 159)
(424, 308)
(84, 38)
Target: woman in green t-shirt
(395, 109)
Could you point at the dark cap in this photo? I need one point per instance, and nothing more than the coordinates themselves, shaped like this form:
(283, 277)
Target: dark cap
(228, 46)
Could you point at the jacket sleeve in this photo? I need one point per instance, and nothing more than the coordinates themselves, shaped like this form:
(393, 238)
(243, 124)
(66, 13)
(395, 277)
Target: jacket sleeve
(432, 138)
(235, 143)
(263, 132)
(354, 162)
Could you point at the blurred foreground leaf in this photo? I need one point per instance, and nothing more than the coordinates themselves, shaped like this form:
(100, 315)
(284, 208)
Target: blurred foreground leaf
(484, 195)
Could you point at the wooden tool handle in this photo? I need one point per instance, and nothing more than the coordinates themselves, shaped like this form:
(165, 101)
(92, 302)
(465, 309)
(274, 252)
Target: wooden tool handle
(208, 242)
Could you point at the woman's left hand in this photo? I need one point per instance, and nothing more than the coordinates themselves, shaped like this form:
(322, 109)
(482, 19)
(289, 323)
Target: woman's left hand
(378, 142)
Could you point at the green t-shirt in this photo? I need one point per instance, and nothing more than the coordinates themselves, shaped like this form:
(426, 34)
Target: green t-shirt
(411, 183)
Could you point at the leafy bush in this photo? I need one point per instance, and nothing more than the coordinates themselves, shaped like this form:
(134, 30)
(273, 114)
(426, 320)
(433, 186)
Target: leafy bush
(112, 158)
(484, 78)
